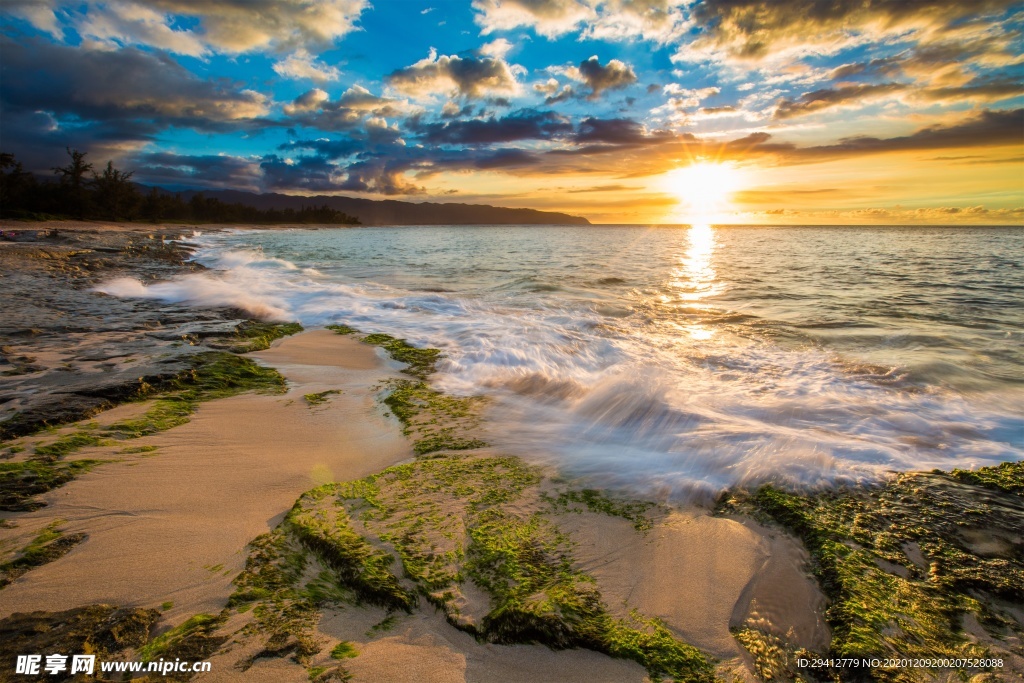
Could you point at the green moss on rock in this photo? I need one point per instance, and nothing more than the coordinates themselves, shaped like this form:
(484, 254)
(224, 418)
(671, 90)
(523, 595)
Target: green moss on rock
(49, 545)
(900, 564)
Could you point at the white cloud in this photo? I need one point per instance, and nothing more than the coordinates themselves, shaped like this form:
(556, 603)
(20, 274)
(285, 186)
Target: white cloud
(40, 13)
(301, 65)
(549, 18)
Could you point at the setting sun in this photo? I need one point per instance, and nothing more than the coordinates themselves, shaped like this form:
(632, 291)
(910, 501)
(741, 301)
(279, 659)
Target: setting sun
(704, 189)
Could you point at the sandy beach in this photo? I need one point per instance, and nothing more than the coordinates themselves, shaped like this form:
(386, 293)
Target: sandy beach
(169, 522)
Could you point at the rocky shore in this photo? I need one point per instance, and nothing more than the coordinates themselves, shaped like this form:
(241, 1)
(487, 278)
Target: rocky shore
(176, 483)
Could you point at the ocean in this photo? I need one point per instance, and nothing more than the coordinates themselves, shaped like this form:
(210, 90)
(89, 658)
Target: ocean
(676, 362)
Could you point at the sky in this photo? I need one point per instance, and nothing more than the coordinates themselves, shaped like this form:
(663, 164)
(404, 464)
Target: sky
(653, 111)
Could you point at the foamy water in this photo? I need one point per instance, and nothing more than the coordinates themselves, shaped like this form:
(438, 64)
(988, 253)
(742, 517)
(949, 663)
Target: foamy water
(677, 361)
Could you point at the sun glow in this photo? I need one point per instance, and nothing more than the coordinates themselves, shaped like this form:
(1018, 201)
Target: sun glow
(704, 189)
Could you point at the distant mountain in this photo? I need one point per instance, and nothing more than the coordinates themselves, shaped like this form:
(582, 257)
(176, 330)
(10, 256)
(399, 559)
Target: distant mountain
(392, 212)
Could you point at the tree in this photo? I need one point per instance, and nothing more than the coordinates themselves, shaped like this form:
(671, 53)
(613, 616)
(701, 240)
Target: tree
(15, 184)
(115, 194)
(72, 180)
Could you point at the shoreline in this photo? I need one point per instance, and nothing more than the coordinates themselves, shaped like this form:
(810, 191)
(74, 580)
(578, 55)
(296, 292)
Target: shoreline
(718, 580)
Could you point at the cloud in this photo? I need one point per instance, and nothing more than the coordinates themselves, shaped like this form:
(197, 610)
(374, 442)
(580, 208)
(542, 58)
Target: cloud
(302, 66)
(661, 21)
(496, 49)
(616, 132)
(980, 90)
(526, 124)
(613, 76)
(754, 32)
(315, 109)
(235, 27)
(223, 26)
(828, 98)
(566, 93)
(129, 23)
(689, 97)
(549, 18)
(210, 171)
(124, 85)
(986, 129)
(470, 77)
(39, 13)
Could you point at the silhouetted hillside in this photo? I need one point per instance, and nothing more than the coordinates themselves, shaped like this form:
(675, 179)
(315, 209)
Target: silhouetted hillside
(391, 212)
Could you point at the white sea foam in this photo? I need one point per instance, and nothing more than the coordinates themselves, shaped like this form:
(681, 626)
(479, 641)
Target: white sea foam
(629, 400)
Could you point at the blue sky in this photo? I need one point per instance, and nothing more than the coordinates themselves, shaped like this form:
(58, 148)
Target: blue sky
(791, 111)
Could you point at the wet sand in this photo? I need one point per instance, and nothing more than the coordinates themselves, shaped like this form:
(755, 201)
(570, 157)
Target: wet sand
(157, 525)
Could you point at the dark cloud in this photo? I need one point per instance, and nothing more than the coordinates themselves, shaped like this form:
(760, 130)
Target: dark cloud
(526, 124)
(987, 129)
(886, 67)
(613, 76)
(616, 132)
(566, 93)
(312, 174)
(990, 90)
(604, 188)
(712, 111)
(123, 85)
(329, 149)
(827, 98)
(472, 77)
(212, 171)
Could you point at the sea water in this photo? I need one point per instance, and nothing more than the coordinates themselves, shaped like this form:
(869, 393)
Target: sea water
(676, 361)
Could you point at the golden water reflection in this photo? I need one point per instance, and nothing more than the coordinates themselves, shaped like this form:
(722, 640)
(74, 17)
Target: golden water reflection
(695, 279)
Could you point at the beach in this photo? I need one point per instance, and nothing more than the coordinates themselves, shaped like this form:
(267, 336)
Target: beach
(334, 511)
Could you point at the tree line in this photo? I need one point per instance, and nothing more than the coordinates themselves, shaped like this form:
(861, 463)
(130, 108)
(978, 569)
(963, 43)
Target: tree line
(79, 192)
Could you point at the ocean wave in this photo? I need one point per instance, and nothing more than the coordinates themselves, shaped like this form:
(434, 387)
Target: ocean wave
(681, 401)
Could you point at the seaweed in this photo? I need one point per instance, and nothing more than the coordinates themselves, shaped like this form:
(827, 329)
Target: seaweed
(103, 630)
(214, 374)
(434, 420)
(455, 518)
(49, 545)
(254, 335)
(897, 563)
(635, 511)
(421, 362)
(321, 397)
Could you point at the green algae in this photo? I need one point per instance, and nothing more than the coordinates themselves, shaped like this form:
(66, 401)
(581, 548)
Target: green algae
(253, 335)
(342, 329)
(774, 659)
(21, 481)
(136, 450)
(898, 565)
(635, 511)
(49, 545)
(103, 630)
(433, 420)
(213, 375)
(1005, 477)
(196, 639)
(421, 362)
(320, 398)
(360, 567)
(456, 518)
(65, 445)
(344, 650)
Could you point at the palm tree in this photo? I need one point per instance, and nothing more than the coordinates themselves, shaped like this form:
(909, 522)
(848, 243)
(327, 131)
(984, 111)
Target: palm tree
(72, 180)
